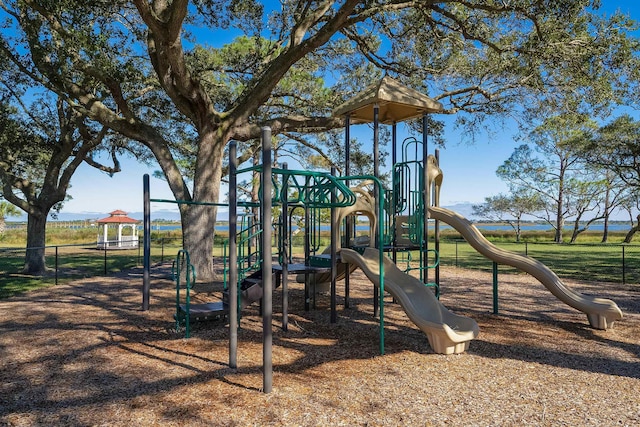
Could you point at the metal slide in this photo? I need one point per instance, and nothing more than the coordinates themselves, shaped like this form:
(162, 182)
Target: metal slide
(447, 332)
(601, 312)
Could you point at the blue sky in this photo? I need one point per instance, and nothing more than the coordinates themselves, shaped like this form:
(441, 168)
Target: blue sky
(469, 169)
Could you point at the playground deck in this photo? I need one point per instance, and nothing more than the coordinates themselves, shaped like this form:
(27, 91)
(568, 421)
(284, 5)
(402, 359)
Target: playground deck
(85, 354)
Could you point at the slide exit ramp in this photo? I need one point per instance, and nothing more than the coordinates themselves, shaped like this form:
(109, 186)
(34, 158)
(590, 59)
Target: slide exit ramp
(447, 333)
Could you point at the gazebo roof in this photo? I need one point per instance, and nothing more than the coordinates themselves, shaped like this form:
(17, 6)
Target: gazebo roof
(396, 103)
(117, 217)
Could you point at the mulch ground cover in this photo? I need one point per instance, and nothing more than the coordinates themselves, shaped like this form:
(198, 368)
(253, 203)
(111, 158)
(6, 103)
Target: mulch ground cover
(85, 354)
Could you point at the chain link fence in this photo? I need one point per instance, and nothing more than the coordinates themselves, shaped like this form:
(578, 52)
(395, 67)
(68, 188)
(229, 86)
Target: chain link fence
(595, 262)
(598, 262)
(76, 261)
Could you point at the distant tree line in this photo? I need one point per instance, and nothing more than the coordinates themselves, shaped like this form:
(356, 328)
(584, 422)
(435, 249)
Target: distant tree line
(571, 170)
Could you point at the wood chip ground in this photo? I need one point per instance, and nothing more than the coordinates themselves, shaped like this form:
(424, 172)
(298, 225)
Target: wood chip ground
(85, 354)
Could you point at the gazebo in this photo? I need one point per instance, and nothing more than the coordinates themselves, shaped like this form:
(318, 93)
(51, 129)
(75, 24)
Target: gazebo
(123, 240)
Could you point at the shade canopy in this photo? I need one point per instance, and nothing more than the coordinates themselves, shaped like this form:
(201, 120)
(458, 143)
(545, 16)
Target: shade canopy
(396, 103)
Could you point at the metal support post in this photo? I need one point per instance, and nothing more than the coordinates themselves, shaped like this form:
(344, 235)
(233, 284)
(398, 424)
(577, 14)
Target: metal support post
(146, 243)
(267, 286)
(495, 287)
(334, 257)
(233, 257)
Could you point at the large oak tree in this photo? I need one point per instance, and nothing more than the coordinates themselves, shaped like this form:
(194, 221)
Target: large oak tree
(41, 150)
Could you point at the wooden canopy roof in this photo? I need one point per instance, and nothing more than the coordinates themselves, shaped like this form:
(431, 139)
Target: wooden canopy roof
(396, 103)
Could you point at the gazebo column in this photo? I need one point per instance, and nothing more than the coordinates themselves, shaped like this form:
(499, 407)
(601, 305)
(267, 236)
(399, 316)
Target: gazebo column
(105, 234)
(119, 235)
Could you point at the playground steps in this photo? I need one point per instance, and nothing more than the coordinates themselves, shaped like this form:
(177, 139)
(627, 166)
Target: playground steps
(250, 289)
(203, 312)
(323, 260)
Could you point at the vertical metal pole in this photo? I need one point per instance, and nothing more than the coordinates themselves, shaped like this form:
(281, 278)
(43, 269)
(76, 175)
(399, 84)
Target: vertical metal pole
(307, 253)
(265, 213)
(376, 160)
(105, 260)
(146, 242)
(394, 196)
(425, 197)
(394, 139)
(376, 193)
(456, 253)
(249, 241)
(623, 267)
(334, 254)
(348, 220)
(381, 273)
(436, 231)
(233, 256)
(285, 251)
(495, 287)
(57, 265)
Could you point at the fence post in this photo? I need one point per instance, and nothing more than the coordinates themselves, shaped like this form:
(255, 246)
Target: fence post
(456, 253)
(495, 287)
(105, 259)
(623, 267)
(56, 265)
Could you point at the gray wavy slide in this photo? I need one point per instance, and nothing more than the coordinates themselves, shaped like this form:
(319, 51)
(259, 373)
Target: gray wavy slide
(601, 312)
(447, 333)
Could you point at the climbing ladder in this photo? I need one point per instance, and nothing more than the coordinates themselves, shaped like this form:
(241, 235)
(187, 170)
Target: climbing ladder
(184, 275)
(406, 212)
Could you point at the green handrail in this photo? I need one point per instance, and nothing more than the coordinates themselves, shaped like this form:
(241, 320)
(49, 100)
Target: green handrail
(183, 260)
(313, 189)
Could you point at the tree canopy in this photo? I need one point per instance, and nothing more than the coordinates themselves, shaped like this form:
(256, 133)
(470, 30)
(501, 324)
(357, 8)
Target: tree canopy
(616, 147)
(152, 70)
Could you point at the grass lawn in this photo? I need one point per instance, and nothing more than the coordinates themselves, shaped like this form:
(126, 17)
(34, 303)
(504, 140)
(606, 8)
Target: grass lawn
(70, 260)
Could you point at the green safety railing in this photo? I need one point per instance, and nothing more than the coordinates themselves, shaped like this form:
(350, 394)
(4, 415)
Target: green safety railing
(308, 188)
(183, 269)
(407, 258)
(248, 259)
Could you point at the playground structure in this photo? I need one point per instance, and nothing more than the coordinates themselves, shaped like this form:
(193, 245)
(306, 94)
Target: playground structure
(399, 225)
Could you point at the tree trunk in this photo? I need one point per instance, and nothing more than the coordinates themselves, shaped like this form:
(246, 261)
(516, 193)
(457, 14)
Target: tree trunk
(559, 223)
(605, 232)
(560, 208)
(630, 234)
(634, 229)
(198, 226)
(34, 262)
(576, 230)
(198, 221)
(576, 233)
(607, 207)
(558, 235)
